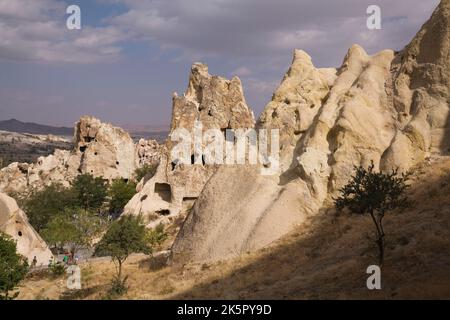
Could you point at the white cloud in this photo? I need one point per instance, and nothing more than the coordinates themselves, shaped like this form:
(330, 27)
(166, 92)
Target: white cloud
(262, 31)
(34, 31)
(265, 29)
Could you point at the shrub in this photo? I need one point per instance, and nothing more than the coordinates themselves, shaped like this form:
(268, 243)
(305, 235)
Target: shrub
(120, 193)
(90, 192)
(156, 236)
(374, 193)
(76, 228)
(147, 170)
(57, 269)
(118, 287)
(41, 206)
(13, 267)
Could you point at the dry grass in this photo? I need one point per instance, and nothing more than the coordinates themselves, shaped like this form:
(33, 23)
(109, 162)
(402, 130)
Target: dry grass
(325, 259)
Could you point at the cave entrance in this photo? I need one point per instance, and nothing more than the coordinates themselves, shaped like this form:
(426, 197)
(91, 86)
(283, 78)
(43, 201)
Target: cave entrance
(163, 212)
(188, 203)
(164, 191)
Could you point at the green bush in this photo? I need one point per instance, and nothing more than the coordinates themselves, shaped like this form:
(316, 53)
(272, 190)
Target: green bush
(120, 192)
(156, 236)
(90, 192)
(13, 267)
(75, 228)
(118, 287)
(57, 269)
(147, 170)
(41, 206)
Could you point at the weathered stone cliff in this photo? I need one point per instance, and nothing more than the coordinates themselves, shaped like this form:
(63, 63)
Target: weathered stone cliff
(390, 108)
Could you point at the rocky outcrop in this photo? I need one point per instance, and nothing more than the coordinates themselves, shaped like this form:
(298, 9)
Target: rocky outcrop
(14, 223)
(421, 94)
(389, 108)
(100, 149)
(296, 102)
(147, 152)
(214, 102)
(104, 150)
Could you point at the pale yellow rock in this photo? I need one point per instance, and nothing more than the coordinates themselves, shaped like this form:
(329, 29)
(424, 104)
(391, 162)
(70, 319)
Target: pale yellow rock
(217, 103)
(99, 149)
(421, 88)
(14, 223)
(388, 108)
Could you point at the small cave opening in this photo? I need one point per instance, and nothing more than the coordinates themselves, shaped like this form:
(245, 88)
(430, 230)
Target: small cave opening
(95, 153)
(174, 164)
(83, 148)
(20, 233)
(117, 162)
(23, 170)
(193, 159)
(163, 212)
(88, 139)
(164, 191)
(188, 203)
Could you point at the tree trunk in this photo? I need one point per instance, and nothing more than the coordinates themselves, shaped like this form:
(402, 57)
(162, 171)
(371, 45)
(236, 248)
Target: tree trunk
(380, 238)
(119, 276)
(380, 242)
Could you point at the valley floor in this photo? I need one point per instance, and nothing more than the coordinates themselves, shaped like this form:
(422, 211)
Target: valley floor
(324, 259)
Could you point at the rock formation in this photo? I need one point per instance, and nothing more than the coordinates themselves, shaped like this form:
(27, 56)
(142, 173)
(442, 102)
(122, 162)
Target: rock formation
(218, 104)
(390, 108)
(14, 222)
(147, 152)
(100, 149)
(104, 150)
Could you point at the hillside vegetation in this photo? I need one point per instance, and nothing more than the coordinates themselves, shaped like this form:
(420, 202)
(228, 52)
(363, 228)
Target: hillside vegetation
(324, 259)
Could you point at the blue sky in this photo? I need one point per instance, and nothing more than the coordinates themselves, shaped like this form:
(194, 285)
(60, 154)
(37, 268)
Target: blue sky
(132, 54)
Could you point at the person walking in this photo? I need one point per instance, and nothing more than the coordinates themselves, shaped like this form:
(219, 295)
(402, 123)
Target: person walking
(34, 262)
(65, 259)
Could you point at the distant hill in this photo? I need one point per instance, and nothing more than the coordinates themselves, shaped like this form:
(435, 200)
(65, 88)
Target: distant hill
(14, 125)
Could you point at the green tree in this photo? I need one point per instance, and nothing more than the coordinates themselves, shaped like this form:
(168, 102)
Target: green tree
(124, 237)
(374, 193)
(42, 205)
(156, 236)
(90, 191)
(13, 267)
(147, 170)
(120, 192)
(76, 228)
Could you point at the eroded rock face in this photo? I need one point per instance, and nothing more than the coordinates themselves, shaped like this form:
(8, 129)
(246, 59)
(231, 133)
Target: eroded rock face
(296, 102)
(100, 149)
(104, 150)
(14, 222)
(420, 91)
(389, 108)
(218, 104)
(147, 152)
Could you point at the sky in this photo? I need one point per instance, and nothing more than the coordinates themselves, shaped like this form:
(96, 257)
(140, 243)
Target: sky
(131, 55)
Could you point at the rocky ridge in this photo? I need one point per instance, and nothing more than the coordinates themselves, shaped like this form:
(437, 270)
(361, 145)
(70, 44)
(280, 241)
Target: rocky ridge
(390, 108)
